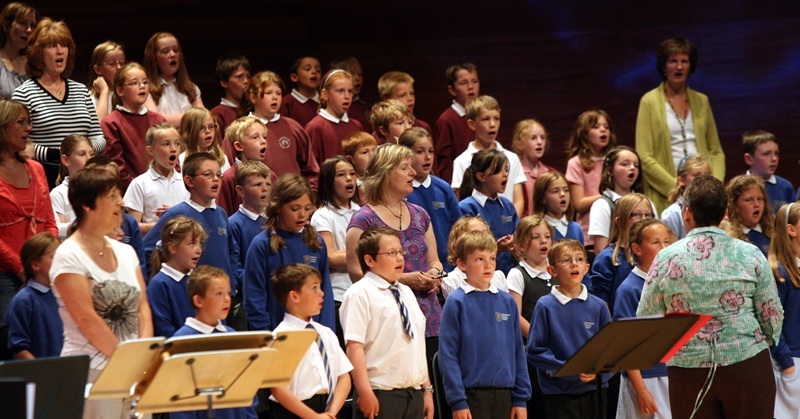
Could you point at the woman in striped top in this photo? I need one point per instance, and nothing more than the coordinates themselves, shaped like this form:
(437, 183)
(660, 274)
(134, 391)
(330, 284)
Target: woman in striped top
(58, 106)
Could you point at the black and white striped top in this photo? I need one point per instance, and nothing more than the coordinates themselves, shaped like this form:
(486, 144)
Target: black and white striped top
(54, 119)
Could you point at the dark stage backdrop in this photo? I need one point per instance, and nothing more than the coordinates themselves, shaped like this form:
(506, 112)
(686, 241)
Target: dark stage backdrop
(549, 59)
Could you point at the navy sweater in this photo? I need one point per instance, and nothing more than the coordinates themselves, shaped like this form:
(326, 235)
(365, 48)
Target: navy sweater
(264, 312)
(441, 204)
(789, 345)
(244, 230)
(502, 220)
(480, 346)
(34, 323)
(605, 277)
(557, 332)
(627, 301)
(574, 231)
(169, 302)
(218, 250)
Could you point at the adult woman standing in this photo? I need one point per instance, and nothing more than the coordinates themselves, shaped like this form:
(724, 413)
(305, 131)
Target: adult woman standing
(17, 21)
(728, 279)
(58, 106)
(675, 122)
(388, 180)
(25, 207)
(97, 281)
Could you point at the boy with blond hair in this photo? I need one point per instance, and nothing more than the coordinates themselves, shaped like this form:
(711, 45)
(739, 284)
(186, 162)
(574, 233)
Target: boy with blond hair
(390, 119)
(483, 118)
(562, 322)
(761, 153)
(482, 380)
(451, 131)
(321, 382)
(248, 138)
(385, 333)
(400, 86)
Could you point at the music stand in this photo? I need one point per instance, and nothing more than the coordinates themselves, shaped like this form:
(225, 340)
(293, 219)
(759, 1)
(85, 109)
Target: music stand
(220, 370)
(60, 384)
(632, 344)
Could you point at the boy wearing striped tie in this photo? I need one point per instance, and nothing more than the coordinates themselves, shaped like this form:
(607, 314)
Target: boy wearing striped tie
(385, 333)
(320, 385)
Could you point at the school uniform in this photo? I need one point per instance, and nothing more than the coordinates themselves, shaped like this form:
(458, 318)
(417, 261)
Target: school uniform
(515, 173)
(289, 149)
(34, 323)
(310, 382)
(418, 123)
(335, 220)
(779, 191)
(125, 133)
(300, 108)
(786, 353)
(151, 190)
(264, 312)
(564, 229)
(173, 101)
(195, 327)
(360, 110)
(456, 278)
(605, 277)
(395, 362)
(672, 218)
(655, 379)
(60, 201)
(245, 226)
(326, 132)
(560, 326)
(437, 198)
(219, 242)
(481, 355)
(132, 236)
(169, 300)
(758, 238)
(501, 216)
(225, 113)
(601, 214)
(452, 136)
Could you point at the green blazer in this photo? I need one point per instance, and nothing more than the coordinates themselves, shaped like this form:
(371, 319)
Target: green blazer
(655, 147)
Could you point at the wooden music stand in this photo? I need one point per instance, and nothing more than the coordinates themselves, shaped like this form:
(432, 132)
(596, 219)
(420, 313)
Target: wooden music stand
(220, 370)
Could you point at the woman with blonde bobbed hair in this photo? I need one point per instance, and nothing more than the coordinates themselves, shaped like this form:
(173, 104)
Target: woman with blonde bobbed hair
(58, 106)
(386, 183)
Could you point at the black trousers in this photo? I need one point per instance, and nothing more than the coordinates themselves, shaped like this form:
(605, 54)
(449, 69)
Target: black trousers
(494, 403)
(570, 406)
(742, 390)
(403, 403)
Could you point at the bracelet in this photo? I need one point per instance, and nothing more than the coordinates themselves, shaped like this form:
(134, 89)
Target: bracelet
(428, 389)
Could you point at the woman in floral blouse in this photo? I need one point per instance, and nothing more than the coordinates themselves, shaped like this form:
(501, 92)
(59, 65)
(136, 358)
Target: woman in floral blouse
(97, 281)
(711, 273)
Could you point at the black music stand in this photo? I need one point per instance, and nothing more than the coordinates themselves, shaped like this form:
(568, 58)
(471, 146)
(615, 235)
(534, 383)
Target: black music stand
(632, 344)
(60, 384)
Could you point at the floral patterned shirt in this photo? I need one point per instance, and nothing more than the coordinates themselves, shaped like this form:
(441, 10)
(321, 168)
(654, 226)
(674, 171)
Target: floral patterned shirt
(712, 273)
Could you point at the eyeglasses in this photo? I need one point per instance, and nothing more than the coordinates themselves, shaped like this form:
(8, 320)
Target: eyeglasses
(393, 253)
(23, 122)
(137, 83)
(209, 175)
(212, 127)
(641, 215)
(118, 63)
(570, 261)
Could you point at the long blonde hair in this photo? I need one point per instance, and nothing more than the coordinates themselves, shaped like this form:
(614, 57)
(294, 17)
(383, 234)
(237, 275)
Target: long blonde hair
(191, 124)
(735, 188)
(182, 80)
(781, 248)
(686, 166)
(620, 233)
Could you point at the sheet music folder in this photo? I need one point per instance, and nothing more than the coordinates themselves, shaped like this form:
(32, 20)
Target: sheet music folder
(634, 343)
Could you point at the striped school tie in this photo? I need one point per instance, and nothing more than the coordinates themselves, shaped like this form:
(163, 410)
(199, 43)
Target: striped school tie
(326, 364)
(403, 311)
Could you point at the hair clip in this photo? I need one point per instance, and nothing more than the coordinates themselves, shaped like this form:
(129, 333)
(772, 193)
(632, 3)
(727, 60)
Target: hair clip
(682, 163)
(159, 246)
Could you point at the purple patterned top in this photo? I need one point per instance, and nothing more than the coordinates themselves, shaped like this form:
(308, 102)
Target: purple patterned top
(413, 241)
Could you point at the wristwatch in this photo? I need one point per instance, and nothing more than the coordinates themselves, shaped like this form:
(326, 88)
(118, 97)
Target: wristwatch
(428, 389)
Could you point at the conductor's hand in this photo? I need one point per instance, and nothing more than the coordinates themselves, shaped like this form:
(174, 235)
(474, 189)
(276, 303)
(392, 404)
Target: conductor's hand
(587, 378)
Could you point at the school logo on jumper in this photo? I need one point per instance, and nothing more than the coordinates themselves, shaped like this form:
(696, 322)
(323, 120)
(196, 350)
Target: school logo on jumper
(222, 231)
(438, 205)
(310, 260)
(285, 142)
(506, 218)
(588, 325)
(501, 317)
